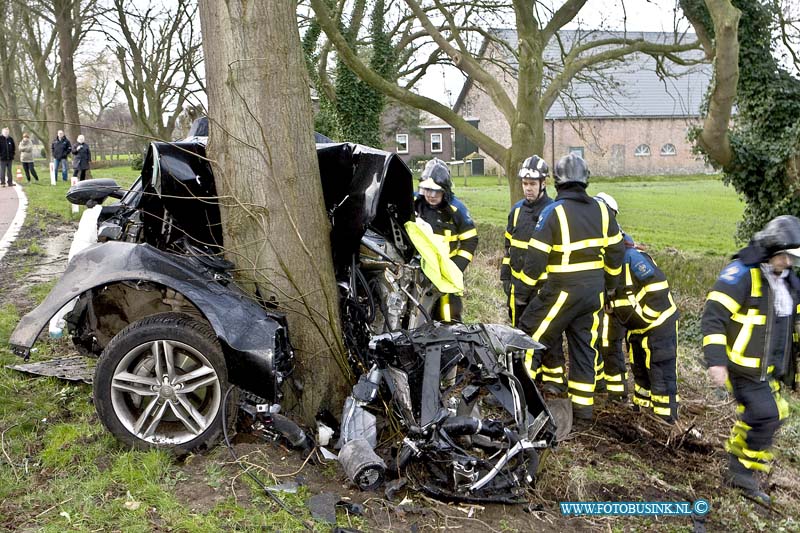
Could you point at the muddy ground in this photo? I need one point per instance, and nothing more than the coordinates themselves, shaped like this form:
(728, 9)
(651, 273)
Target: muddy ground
(624, 456)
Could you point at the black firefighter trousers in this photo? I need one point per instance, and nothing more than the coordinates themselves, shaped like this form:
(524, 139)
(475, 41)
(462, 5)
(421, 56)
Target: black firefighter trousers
(572, 306)
(761, 411)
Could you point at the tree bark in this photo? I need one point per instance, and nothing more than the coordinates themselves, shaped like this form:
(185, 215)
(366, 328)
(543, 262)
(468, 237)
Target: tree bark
(68, 28)
(261, 144)
(714, 138)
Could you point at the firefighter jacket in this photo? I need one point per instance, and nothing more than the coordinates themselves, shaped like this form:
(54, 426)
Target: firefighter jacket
(644, 303)
(576, 240)
(738, 318)
(451, 220)
(521, 221)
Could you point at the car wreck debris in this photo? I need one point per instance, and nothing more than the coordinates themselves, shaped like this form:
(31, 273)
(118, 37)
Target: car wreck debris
(179, 344)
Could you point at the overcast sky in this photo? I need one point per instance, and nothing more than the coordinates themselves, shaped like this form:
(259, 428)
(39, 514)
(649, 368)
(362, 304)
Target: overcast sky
(637, 15)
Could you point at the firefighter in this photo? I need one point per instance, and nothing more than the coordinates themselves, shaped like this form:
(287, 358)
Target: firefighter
(448, 217)
(577, 242)
(747, 327)
(519, 288)
(644, 305)
(612, 374)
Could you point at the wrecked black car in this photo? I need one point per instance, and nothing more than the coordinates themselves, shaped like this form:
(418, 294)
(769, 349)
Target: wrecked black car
(156, 303)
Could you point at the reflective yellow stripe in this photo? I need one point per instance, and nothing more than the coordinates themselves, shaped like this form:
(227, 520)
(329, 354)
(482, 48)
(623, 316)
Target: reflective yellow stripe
(641, 390)
(743, 339)
(506, 260)
(465, 254)
(755, 282)
(641, 402)
(661, 319)
(613, 271)
(582, 400)
(519, 244)
(539, 245)
(749, 362)
(594, 332)
(615, 239)
(558, 379)
(604, 219)
(554, 370)
(508, 235)
(551, 314)
(529, 364)
(524, 278)
(516, 216)
(616, 378)
(565, 238)
(663, 411)
(650, 312)
(446, 308)
(653, 287)
(720, 297)
(604, 336)
(615, 387)
(754, 465)
(628, 279)
(583, 387)
(752, 317)
(647, 353)
(579, 245)
(758, 455)
(715, 338)
(660, 398)
(468, 234)
(577, 267)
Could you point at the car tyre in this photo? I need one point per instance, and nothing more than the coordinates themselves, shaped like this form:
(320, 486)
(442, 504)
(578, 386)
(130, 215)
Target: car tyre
(161, 383)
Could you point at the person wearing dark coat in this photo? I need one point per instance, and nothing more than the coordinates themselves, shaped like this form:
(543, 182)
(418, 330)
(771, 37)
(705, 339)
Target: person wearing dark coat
(61, 149)
(81, 157)
(577, 243)
(7, 151)
(748, 324)
(519, 289)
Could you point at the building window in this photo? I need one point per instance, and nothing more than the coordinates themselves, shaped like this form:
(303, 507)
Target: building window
(669, 149)
(577, 150)
(436, 142)
(401, 139)
(642, 150)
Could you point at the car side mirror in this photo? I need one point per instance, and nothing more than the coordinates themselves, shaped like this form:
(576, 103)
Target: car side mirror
(93, 192)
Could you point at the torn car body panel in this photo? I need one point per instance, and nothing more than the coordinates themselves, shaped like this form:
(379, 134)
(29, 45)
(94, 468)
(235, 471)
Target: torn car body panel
(479, 439)
(252, 337)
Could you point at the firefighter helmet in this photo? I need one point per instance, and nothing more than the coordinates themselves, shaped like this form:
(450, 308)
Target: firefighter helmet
(436, 176)
(608, 200)
(534, 168)
(572, 169)
(780, 234)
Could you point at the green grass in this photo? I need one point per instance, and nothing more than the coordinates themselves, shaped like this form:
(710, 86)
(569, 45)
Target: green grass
(697, 214)
(51, 198)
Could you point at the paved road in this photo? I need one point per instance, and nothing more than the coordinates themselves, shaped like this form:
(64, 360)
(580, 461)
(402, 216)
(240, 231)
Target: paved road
(13, 204)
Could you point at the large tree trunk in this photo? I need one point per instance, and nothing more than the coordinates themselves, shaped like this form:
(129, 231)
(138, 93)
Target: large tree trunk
(273, 214)
(714, 137)
(67, 26)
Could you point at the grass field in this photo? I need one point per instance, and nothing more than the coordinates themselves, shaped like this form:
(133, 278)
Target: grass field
(696, 215)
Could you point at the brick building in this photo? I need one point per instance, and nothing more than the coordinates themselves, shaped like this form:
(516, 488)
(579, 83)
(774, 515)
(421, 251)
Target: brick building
(416, 135)
(623, 118)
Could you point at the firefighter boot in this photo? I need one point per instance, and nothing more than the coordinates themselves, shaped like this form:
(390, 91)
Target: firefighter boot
(742, 478)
